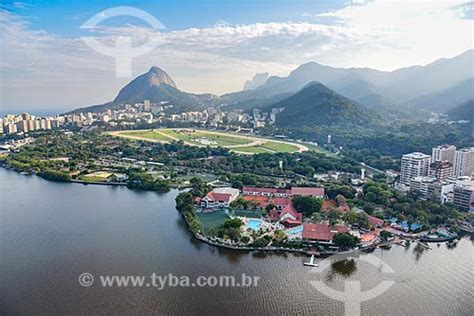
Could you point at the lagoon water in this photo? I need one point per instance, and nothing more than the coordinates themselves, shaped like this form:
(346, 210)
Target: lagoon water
(50, 233)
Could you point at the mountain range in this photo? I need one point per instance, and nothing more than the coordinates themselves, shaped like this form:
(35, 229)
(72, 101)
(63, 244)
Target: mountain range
(364, 92)
(437, 86)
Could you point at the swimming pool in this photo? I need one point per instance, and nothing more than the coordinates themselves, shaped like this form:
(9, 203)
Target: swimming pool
(295, 231)
(254, 224)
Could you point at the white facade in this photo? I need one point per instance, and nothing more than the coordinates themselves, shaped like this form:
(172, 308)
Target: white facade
(463, 196)
(443, 153)
(414, 165)
(464, 162)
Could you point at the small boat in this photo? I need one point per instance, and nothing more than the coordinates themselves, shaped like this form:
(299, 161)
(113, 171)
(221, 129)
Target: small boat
(311, 262)
(436, 238)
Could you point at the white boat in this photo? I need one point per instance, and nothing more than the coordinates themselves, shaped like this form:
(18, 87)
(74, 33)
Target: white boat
(311, 262)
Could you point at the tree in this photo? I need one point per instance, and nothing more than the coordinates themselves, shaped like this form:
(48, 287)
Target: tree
(183, 200)
(199, 187)
(316, 216)
(262, 241)
(307, 204)
(345, 241)
(54, 175)
(385, 234)
(341, 200)
(269, 207)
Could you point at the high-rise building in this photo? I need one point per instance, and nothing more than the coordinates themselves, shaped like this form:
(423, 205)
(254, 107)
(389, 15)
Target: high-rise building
(11, 129)
(443, 153)
(414, 165)
(26, 116)
(430, 188)
(464, 162)
(441, 170)
(22, 126)
(146, 106)
(463, 196)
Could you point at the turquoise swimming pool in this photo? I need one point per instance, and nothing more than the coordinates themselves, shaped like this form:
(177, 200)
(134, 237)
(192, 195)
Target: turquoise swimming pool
(254, 224)
(295, 231)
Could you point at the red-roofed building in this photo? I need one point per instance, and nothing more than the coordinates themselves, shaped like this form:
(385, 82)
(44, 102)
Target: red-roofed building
(262, 201)
(339, 229)
(266, 191)
(307, 191)
(288, 216)
(376, 222)
(280, 203)
(222, 198)
(317, 232)
(322, 233)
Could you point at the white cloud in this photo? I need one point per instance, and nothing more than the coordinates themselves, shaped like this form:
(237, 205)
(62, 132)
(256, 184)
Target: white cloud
(379, 34)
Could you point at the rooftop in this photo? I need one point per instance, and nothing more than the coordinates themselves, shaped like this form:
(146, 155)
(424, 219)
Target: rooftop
(307, 191)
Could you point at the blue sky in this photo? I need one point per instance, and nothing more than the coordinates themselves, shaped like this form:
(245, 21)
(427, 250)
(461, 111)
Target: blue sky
(65, 17)
(214, 46)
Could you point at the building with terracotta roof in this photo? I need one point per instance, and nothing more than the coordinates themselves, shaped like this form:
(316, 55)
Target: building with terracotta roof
(277, 192)
(280, 203)
(287, 216)
(307, 191)
(261, 201)
(290, 217)
(219, 198)
(266, 191)
(322, 233)
(317, 233)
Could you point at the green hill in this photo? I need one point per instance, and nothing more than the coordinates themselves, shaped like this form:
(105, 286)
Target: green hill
(316, 104)
(464, 111)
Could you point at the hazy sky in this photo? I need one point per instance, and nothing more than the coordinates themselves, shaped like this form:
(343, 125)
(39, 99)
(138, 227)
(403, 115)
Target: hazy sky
(214, 46)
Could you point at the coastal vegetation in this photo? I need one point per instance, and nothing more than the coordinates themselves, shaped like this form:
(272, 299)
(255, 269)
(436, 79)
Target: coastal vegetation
(54, 175)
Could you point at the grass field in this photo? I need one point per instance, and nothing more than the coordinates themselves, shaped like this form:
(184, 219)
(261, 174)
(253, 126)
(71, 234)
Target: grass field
(195, 137)
(252, 150)
(148, 134)
(279, 147)
(219, 139)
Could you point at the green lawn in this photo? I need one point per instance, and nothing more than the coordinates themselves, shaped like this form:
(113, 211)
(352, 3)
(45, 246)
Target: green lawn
(280, 147)
(253, 150)
(148, 134)
(220, 139)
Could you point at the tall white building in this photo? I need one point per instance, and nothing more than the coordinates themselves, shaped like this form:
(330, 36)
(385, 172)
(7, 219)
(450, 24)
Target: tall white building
(464, 194)
(464, 162)
(443, 153)
(414, 165)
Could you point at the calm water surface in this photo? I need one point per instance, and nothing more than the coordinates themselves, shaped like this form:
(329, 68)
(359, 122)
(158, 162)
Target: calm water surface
(50, 233)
